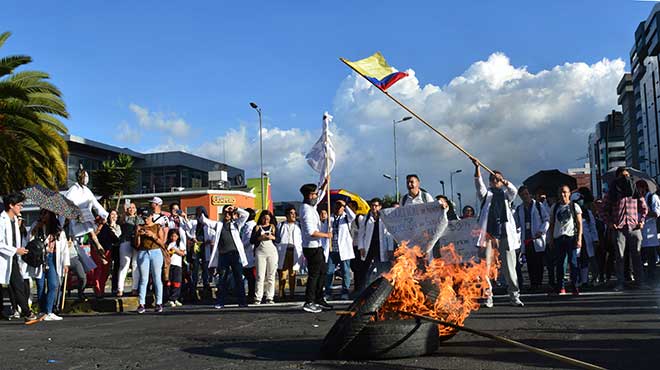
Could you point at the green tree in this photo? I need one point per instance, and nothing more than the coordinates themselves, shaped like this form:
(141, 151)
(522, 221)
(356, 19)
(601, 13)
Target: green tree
(115, 176)
(389, 200)
(33, 149)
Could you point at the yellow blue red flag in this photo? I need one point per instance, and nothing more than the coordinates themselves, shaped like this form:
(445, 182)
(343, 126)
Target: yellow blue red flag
(376, 70)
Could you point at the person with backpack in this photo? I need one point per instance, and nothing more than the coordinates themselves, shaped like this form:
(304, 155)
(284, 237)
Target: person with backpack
(415, 194)
(624, 211)
(533, 221)
(498, 229)
(650, 240)
(566, 240)
(55, 264)
(342, 248)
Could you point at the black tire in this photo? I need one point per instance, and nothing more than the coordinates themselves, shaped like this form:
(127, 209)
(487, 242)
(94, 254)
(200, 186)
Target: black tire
(394, 339)
(347, 327)
(431, 293)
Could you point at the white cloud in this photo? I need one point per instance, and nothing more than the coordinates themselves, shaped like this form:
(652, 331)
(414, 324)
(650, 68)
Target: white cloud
(169, 123)
(127, 134)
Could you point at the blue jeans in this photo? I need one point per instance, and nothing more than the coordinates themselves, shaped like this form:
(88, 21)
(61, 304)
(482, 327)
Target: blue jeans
(150, 261)
(566, 247)
(227, 261)
(334, 260)
(49, 276)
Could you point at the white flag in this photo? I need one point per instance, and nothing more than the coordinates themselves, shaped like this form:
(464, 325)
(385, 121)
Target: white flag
(323, 149)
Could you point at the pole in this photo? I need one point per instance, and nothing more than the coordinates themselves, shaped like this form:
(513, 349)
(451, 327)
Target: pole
(261, 161)
(396, 170)
(460, 202)
(451, 184)
(539, 351)
(443, 187)
(327, 173)
(456, 145)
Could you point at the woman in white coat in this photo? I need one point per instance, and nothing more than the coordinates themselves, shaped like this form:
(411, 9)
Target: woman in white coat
(56, 262)
(342, 248)
(289, 248)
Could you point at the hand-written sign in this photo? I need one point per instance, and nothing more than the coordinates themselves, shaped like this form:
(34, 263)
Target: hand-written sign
(464, 234)
(419, 224)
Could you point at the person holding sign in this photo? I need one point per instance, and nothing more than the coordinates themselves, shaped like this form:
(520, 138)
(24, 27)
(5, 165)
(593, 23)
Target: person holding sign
(498, 228)
(415, 195)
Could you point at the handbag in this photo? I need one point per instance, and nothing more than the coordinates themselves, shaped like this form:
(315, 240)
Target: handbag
(36, 255)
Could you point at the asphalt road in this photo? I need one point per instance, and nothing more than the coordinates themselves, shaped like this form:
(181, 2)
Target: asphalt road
(613, 330)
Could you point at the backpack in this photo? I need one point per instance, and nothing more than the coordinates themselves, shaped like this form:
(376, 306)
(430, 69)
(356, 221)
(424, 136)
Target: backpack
(36, 255)
(424, 195)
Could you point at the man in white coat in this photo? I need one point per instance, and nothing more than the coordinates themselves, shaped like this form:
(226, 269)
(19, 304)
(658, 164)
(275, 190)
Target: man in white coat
(498, 228)
(290, 250)
(228, 253)
(533, 220)
(415, 194)
(342, 243)
(376, 245)
(10, 251)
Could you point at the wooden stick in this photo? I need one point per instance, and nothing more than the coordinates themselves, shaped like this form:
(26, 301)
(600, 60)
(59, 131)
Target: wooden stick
(66, 276)
(327, 173)
(542, 352)
(456, 145)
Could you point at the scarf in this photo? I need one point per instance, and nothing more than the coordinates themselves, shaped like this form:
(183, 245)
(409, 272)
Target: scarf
(497, 213)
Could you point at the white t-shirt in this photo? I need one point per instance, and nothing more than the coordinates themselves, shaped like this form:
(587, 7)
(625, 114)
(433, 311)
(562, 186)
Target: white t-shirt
(564, 223)
(176, 259)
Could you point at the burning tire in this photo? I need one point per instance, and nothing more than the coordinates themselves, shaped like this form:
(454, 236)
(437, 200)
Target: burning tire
(431, 292)
(347, 327)
(394, 339)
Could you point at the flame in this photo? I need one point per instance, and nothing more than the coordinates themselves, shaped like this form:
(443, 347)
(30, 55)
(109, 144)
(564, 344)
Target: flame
(458, 285)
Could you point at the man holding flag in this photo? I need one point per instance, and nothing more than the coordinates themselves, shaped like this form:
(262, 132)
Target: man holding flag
(322, 159)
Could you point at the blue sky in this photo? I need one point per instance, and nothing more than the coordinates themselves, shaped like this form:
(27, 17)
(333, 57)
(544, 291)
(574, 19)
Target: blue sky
(203, 61)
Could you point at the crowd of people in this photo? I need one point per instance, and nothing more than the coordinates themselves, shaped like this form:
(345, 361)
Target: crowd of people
(172, 255)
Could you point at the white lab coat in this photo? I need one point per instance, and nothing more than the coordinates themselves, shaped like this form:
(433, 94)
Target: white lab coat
(62, 257)
(209, 235)
(246, 233)
(284, 240)
(235, 228)
(85, 200)
(7, 249)
(485, 196)
(344, 237)
(589, 232)
(650, 231)
(367, 231)
(540, 223)
(182, 229)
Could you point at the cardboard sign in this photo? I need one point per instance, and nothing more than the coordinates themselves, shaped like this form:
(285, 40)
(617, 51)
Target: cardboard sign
(418, 224)
(464, 234)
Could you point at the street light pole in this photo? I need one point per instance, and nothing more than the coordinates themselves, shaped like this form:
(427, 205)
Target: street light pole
(396, 170)
(451, 182)
(460, 203)
(443, 187)
(261, 155)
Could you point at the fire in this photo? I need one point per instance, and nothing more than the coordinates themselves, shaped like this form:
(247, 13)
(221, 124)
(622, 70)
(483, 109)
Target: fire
(452, 286)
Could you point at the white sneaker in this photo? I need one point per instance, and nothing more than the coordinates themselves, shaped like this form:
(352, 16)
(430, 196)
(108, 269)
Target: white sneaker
(52, 317)
(489, 302)
(171, 304)
(517, 302)
(178, 304)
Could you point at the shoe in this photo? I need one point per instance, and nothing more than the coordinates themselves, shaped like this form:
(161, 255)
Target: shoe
(31, 317)
(141, 309)
(257, 302)
(618, 288)
(517, 302)
(52, 317)
(324, 305)
(576, 291)
(16, 315)
(327, 298)
(312, 308)
(489, 302)
(562, 291)
(159, 308)
(219, 306)
(171, 304)
(270, 301)
(345, 297)
(120, 294)
(178, 304)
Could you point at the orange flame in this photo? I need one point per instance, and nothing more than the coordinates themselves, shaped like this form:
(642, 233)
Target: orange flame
(452, 286)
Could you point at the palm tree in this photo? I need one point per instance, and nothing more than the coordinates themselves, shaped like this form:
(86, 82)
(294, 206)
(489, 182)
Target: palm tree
(33, 150)
(116, 176)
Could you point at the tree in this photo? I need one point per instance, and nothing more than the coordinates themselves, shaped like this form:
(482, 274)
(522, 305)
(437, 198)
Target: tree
(115, 176)
(389, 201)
(33, 150)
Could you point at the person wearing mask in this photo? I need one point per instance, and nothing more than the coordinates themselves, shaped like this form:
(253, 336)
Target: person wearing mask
(128, 250)
(533, 221)
(289, 245)
(624, 212)
(228, 254)
(376, 245)
(342, 248)
(249, 270)
(56, 262)
(310, 225)
(650, 241)
(415, 194)
(468, 212)
(10, 251)
(108, 233)
(498, 228)
(263, 238)
(149, 239)
(566, 230)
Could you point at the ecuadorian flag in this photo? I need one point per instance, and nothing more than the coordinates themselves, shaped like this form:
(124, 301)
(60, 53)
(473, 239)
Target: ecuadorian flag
(376, 70)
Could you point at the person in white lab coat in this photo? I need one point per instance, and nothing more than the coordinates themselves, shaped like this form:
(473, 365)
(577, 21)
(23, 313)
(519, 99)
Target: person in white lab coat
(289, 246)
(376, 245)
(650, 241)
(342, 248)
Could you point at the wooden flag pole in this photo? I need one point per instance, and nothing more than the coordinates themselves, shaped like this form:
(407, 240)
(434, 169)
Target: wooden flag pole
(327, 172)
(456, 145)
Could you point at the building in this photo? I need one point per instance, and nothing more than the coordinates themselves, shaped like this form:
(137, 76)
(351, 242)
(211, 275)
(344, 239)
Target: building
(626, 100)
(582, 175)
(650, 90)
(606, 150)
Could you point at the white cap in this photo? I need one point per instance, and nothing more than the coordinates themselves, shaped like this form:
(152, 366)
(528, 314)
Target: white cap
(157, 201)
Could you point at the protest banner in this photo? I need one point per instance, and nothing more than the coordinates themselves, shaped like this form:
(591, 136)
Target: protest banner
(419, 225)
(463, 234)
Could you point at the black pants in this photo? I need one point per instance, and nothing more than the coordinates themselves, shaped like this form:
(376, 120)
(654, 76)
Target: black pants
(78, 269)
(115, 267)
(251, 277)
(176, 275)
(316, 270)
(17, 290)
(534, 265)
